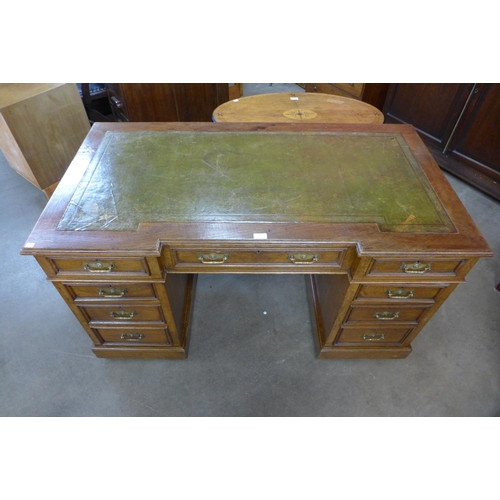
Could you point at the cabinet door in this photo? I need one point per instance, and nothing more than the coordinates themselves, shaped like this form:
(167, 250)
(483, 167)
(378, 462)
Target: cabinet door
(432, 108)
(476, 141)
(170, 102)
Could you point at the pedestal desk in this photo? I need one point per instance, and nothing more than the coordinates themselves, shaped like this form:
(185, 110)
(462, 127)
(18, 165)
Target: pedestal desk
(362, 211)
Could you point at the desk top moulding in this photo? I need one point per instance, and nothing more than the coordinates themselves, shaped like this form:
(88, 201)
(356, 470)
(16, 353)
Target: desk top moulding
(355, 205)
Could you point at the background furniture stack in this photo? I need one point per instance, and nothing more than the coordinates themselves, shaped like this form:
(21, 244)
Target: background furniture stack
(166, 102)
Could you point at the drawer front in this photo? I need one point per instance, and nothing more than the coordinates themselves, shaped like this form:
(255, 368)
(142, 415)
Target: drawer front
(82, 292)
(384, 314)
(407, 293)
(209, 258)
(123, 314)
(372, 337)
(356, 89)
(414, 269)
(99, 268)
(134, 336)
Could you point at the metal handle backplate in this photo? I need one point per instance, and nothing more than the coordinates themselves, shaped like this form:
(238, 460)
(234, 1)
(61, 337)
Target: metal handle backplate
(122, 314)
(386, 315)
(373, 336)
(112, 292)
(132, 336)
(416, 268)
(303, 258)
(401, 293)
(99, 267)
(212, 258)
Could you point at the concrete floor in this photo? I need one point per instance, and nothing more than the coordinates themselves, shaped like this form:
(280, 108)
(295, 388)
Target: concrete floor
(251, 352)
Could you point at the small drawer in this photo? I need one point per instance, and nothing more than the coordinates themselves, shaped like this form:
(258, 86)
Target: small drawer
(99, 268)
(356, 89)
(123, 314)
(384, 313)
(209, 258)
(82, 292)
(407, 293)
(134, 336)
(372, 336)
(414, 269)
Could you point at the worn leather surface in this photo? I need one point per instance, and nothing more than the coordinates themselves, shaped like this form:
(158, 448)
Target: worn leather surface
(180, 176)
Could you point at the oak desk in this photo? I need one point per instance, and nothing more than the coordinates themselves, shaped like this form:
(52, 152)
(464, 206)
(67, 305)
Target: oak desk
(362, 210)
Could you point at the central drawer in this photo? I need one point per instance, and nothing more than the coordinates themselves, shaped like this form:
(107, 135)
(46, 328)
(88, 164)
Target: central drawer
(297, 259)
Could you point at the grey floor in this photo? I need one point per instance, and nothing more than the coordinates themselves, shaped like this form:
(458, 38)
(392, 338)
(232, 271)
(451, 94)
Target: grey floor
(251, 351)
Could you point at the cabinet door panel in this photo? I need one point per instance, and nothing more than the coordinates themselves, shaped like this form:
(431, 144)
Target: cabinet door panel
(478, 139)
(432, 108)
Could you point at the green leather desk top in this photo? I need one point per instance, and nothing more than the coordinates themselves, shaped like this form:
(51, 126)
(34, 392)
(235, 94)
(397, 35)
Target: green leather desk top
(185, 176)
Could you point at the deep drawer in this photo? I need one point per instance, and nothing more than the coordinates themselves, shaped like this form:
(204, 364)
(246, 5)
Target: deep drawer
(82, 292)
(98, 268)
(372, 336)
(384, 314)
(204, 258)
(135, 336)
(123, 314)
(407, 292)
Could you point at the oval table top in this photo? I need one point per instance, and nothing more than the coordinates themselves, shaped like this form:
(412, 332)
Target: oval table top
(297, 107)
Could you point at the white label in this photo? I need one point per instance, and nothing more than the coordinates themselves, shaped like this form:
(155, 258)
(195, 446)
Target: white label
(294, 98)
(260, 236)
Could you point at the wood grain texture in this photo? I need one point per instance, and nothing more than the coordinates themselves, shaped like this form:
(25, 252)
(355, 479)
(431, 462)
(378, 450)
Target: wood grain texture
(41, 128)
(300, 107)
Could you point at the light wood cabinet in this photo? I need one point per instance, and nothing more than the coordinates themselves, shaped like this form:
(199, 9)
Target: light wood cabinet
(42, 125)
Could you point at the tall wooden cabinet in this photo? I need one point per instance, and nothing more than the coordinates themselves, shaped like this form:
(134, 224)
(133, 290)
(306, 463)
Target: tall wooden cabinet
(459, 122)
(166, 102)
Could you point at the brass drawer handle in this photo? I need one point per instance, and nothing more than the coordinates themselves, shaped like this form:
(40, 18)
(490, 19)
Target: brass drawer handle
(401, 293)
(416, 268)
(98, 266)
(123, 314)
(373, 336)
(303, 258)
(112, 292)
(386, 315)
(132, 336)
(212, 258)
